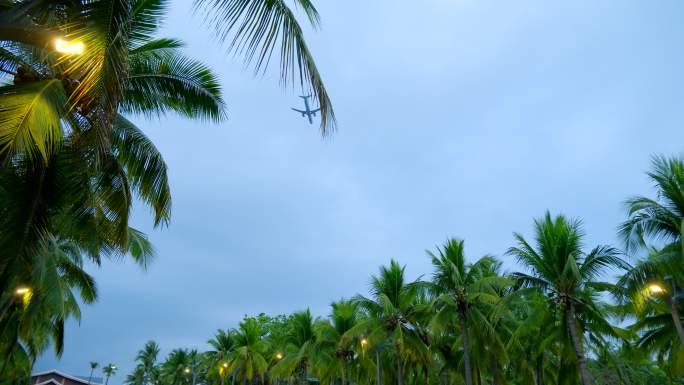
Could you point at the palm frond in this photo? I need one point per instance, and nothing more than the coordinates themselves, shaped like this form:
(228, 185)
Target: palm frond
(145, 168)
(30, 118)
(172, 82)
(258, 28)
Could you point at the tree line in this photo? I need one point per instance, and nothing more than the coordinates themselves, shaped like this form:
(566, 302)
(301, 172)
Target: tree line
(572, 315)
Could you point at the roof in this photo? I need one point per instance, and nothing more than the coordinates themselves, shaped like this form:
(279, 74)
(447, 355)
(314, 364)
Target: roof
(62, 374)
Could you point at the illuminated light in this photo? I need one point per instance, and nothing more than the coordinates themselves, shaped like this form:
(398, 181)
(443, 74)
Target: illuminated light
(279, 356)
(225, 364)
(654, 288)
(364, 341)
(187, 370)
(69, 48)
(22, 290)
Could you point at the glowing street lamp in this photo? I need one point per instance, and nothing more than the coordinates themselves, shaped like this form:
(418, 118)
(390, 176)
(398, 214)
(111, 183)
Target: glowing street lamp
(187, 370)
(25, 293)
(279, 356)
(225, 364)
(364, 342)
(22, 290)
(69, 47)
(656, 289)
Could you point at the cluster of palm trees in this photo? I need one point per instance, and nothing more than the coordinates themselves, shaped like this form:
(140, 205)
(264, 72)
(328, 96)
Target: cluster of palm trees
(108, 371)
(72, 74)
(572, 315)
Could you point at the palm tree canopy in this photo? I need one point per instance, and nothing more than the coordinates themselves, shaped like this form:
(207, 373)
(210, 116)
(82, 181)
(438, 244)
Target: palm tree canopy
(558, 263)
(658, 219)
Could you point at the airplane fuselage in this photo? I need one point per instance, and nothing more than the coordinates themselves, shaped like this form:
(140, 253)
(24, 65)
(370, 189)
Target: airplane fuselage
(308, 112)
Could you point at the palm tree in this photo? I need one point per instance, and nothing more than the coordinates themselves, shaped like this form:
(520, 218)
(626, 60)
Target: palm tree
(222, 345)
(659, 220)
(248, 359)
(562, 270)
(299, 343)
(147, 360)
(334, 353)
(175, 369)
(533, 339)
(57, 282)
(644, 283)
(392, 310)
(109, 371)
(93, 365)
(70, 162)
(466, 293)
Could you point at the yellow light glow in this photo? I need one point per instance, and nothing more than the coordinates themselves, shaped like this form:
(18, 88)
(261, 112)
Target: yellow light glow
(654, 288)
(225, 364)
(279, 356)
(69, 48)
(364, 341)
(22, 290)
(187, 370)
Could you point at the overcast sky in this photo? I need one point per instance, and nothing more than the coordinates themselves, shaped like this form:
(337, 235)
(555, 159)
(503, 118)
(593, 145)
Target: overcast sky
(463, 118)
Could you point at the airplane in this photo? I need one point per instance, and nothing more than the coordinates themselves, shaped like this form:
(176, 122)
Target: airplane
(308, 112)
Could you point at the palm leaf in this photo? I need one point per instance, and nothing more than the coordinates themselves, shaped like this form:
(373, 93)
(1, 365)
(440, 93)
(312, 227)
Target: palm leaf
(145, 168)
(168, 81)
(258, 28)
(30, 118)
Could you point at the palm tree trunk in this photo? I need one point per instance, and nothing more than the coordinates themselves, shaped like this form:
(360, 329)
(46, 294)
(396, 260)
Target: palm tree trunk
(400, 366)
(495, 370)
(345, 372)
(675, 317)
(466, 348)
(577, 344)
(377, 365)
(91, 375)
(303, 378)
(107, 380)
(539, 370)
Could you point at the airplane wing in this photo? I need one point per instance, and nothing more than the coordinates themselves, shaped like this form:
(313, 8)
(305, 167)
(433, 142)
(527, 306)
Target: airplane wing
(300, 111)
(316, 110)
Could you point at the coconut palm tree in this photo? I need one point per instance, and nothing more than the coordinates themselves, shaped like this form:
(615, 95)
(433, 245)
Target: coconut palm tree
(248, 360)
(222, 345)
(175, 370)
(93, 366)
(533, 341)
(391, 311)
(299, 344)
(71, 163)
(645, 283)
(562, 270)
(109, 371)
(147, 360)
(333, 353)
(56, 283)
(658, 220)
(466, 294)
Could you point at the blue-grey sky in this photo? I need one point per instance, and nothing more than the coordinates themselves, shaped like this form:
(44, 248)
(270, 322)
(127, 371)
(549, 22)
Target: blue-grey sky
(462, 118)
